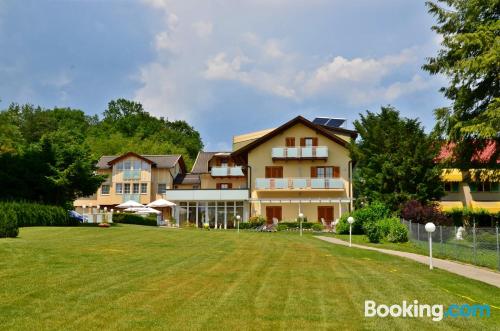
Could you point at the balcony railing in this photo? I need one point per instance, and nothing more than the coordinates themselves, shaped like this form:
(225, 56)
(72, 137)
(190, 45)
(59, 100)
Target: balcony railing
(131, 174)
(227, 172)
(206, 195)
(134, 197)
(298, 183)
(311, 152)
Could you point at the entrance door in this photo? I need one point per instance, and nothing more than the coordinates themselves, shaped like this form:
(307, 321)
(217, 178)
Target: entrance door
(273, 212)
(326, 213)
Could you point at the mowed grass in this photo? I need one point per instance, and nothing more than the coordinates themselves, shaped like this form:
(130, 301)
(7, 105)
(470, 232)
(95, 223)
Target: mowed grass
(135, 277)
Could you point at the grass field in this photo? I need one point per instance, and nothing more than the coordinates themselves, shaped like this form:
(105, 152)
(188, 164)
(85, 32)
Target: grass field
(135, 277)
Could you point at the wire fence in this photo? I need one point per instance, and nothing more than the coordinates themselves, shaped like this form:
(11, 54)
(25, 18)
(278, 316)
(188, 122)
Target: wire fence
(478, 246)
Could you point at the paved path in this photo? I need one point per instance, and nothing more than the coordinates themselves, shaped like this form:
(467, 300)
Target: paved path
(466, 270)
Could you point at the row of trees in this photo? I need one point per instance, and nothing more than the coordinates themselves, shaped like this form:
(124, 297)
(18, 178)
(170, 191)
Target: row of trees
(49, 155)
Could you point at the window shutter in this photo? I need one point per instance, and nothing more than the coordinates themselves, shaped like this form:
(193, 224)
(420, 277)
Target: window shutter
(229, 185)
(336, 172)
(302, 142)
(315, 141)
(269, 172)
(217, 186)
(278, 172)
(290, 142)
(313, 172)
(217, 162)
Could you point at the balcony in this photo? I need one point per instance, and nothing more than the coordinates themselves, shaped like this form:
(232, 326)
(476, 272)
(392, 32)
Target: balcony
(134, 197)
(227, 172)
(207, 195)
(298, 153)
(299, 183)
(131, 174)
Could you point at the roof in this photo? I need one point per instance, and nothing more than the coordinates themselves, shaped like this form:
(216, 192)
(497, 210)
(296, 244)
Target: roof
(200, 165)
(187, 179)
(482, 156)
(327, 132)
(158, 161)
(251, 135)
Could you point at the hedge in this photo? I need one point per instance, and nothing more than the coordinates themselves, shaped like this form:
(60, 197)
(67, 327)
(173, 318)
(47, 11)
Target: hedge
(467, 216)
(34, 214)
(125, 218)
(8, 223)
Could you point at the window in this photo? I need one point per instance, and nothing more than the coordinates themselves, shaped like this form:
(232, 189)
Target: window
(127, 165)
(224, 186)
(484, 187)
(119, 188)
(196, 187)
(126, 188)
(105, 189)
(451, 187)
(119, 166)
(162, 188)
(135, 188)
(325, 172)
(223, 163)
(145, 166)
(137, 165)
(144, 188)
(308, 142)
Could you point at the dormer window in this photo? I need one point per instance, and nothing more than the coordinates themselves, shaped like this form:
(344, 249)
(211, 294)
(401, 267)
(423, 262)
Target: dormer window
(223, 163)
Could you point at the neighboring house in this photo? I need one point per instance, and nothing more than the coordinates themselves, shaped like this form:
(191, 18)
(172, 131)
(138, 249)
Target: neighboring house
(299, 167)
(466, 189)
(143, 178)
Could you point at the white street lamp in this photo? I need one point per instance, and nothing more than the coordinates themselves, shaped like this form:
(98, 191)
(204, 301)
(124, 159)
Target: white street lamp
(430, 228)
(301, 216)
(238, 218)
(350, 220)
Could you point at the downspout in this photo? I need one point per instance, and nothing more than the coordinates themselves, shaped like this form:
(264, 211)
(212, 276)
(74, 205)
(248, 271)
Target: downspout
(249, 183)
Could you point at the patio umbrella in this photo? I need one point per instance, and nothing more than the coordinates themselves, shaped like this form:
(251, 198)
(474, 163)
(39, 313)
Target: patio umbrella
(130, 204)
(161, 203)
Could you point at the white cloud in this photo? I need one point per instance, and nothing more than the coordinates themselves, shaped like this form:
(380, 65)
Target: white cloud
(203, 29)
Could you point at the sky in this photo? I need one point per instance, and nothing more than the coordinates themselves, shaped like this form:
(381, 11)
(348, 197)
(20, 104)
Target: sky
(226, 66)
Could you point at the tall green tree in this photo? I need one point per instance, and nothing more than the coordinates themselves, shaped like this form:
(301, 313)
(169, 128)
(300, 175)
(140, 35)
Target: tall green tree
(394, 160)
(470, 58)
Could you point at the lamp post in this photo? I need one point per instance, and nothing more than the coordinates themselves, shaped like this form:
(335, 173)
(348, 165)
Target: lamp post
(350, 220)
(238, 218)
(301, 216)
(430, 228)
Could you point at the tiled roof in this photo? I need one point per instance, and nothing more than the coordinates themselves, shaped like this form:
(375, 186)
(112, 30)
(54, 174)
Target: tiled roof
(187, 179)
(160, 161)
(482, 156)
(200, 165)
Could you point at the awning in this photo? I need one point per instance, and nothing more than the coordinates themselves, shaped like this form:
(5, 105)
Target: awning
(449, 205)
(451, 175)
(491, 206)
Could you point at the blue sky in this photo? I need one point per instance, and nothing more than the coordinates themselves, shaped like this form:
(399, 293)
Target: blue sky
(227, 67)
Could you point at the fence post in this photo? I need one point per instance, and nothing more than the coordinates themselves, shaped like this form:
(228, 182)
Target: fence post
(410, 228)
(441, 238)
(474, 241)
(418, 231)
(498, 248)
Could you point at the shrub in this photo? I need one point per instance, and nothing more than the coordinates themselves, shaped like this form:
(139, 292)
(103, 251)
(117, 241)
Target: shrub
(422, 213)
(8, 224)
(296, 225)
(256, 220)
(467, 217)
(125, 218)
(282, 227)
(397, 233)
(343, 226)
(317, 227)
(373, 232)
(33, 214)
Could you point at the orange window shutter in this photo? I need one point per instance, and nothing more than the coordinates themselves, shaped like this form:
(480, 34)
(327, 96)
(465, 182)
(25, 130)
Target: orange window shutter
(336, 172)
(314, 172)
(315, 141)
(269, 172)
(217, 186)
(302, 142)
(230, 185)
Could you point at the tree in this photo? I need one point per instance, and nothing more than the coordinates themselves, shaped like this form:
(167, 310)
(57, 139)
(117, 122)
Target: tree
(470, 57)
(394, 160)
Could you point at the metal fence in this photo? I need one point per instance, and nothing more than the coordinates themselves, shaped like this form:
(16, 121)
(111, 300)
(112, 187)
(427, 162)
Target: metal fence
(479, 246)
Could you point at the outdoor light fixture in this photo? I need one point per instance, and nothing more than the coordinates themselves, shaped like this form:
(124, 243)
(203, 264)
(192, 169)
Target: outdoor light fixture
(301, 216)
(350, 220)
(238, 218)
(430, 228)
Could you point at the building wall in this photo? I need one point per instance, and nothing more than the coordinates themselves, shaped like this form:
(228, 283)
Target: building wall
(209, 182)
(260, 157)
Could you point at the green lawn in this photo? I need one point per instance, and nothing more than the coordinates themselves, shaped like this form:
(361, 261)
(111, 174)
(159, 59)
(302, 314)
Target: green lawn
(452, 250)
(135, 277)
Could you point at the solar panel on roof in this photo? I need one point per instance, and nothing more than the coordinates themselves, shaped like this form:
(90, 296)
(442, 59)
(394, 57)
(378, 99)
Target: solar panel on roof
(329, 121)
(320, 120)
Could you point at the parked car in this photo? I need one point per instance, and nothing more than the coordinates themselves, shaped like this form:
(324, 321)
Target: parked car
(73, 214)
